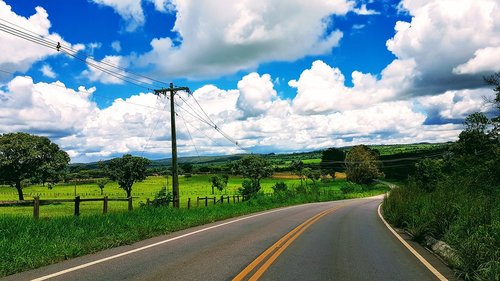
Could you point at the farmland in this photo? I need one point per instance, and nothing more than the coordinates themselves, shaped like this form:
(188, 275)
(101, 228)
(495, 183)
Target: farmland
(190, 187)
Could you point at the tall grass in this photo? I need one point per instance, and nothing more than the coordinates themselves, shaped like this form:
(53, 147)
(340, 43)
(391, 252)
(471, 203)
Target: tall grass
(470, 223)
(26, 243)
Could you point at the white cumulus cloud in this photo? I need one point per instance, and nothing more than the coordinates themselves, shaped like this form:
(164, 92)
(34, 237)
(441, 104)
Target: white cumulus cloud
(47, 71)
(17, 54)
(248, 33)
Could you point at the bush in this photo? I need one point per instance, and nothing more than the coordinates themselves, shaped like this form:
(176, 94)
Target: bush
(248, 189)
(280, 187)
(162, 198)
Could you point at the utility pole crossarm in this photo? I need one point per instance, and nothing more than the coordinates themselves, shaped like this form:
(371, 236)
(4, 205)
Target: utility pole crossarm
(175, 177)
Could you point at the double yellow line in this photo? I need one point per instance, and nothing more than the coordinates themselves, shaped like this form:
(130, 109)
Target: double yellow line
(277, 248)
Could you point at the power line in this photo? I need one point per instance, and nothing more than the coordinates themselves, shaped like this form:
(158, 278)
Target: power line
(126, 76)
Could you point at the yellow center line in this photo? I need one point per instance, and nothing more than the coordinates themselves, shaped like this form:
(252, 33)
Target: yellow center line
(279, 247)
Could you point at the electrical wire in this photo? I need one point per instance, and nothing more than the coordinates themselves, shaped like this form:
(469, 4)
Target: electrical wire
(124, 76)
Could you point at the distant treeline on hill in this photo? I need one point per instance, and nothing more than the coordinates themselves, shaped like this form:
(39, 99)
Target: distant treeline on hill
(397, 161)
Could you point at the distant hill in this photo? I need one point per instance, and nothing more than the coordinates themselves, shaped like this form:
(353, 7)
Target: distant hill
(419, 149)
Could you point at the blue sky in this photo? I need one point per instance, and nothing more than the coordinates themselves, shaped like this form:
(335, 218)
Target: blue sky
(273, 76)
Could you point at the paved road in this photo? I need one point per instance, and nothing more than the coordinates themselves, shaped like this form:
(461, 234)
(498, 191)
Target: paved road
(344, 240)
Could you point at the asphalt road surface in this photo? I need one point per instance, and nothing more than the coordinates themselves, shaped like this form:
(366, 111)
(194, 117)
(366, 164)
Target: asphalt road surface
(341, 240)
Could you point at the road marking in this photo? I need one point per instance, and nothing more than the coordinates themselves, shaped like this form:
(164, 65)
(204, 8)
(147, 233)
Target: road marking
(413, 251)
(156, 244)
(277, 248)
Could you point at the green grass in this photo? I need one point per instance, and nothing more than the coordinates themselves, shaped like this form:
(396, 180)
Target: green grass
(469, 223)
(26, 243)
(197, 185)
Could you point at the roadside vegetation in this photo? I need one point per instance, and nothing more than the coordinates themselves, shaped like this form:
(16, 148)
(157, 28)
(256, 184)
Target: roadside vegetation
(457, 198)
(26, 243)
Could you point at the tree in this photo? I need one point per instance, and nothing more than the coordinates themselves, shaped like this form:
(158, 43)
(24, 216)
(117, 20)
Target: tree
(332, 160)
(475, 138)
(297, 168)
(313, 175)
(361, 164)
(186, 168)
(428, 173)
(219, 182)
(254, 168)
(24, 156)
(127, 170)
(101, 183)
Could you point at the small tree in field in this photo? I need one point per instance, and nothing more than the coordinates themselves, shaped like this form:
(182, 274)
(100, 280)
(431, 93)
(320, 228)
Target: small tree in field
(297, 167)
(127, 170)
(254, 168)
(361, 164)
(101, 183)
(219, 182)
(24, 156)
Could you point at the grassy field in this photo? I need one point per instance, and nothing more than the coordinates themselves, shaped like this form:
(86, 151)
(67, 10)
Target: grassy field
(26, 243)
(197, 185)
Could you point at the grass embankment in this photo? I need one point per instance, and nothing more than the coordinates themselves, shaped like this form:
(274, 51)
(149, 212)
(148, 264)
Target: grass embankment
(469, 223)
(26, 243)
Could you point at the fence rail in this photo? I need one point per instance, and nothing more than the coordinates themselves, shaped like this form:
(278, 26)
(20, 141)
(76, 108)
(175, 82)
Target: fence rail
(36, 203)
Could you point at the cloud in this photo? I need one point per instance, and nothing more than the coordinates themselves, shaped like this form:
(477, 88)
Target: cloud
(47, 71)
(454, 105)
(252, 114)
(446, 38)
(363, 11)
(256, 94)
(130, 10)
(321, 89)
(17, 54)
(108, 63)
(116, 46)
(247, 34)
(483, 61)
(49, 109)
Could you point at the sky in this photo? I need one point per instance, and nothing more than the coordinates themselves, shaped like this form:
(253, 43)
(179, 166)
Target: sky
(273, 76)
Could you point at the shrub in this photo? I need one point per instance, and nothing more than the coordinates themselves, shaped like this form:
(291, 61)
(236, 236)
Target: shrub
(280, 187)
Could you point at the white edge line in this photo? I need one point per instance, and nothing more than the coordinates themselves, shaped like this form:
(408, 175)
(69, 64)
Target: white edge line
(411, 249)
(155, 244)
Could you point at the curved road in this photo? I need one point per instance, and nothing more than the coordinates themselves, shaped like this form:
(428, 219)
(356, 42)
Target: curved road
(340, 240)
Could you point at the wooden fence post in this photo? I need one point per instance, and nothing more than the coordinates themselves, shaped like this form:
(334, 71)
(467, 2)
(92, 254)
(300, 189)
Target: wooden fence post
(77, 205)
(222, 199)
(130, 203)
(197, 201)
(36, 207)
(206, 201)
(227, 199)
(215, 199)
(189, 203)
(105, 205)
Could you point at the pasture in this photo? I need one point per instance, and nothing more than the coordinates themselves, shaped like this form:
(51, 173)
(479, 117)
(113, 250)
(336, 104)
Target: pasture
(189, 187)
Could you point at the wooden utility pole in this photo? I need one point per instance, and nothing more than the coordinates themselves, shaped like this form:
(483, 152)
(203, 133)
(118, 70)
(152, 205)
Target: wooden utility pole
(175, 178)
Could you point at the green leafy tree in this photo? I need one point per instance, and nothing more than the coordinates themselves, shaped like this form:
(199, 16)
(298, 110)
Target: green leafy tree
(254, 168)
(297, 167)
(362, 164)
(474, 139)
(332, 160)
(428, 173)
(101, 183)
(127, 170)
(313, 175)
(24, 156)
(186, 168)
(219, 182)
